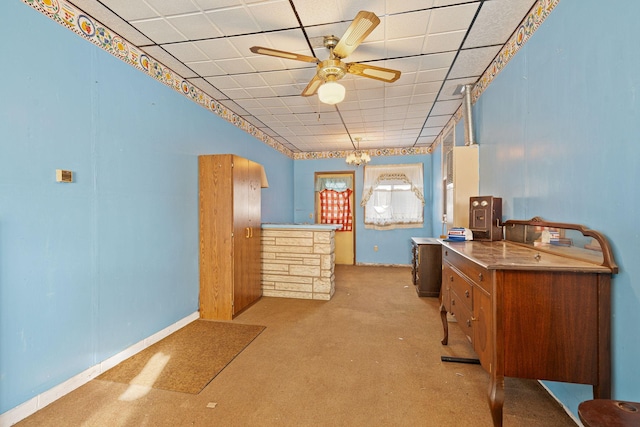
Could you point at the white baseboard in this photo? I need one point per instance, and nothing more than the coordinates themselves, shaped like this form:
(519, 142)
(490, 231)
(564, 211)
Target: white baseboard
(31, 406)
(371, 264)
(566, 409)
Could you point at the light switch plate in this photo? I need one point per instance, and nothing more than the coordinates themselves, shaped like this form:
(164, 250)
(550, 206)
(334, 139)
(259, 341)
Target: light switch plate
(64, 175)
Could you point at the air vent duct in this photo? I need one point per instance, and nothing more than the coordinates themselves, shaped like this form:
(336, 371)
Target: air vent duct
(469, 138)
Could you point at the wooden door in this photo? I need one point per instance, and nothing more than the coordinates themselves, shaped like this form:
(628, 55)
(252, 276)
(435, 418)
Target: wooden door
(246, 204)
(344, 240)
(252, 261)
(216, 241)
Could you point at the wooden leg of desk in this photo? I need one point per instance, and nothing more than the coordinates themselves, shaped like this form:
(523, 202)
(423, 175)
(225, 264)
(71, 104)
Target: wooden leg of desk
(445, 325)
(496, 399)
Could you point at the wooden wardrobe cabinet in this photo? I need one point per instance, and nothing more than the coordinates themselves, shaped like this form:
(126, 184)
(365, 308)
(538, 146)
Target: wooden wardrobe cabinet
(229, 211)
(533, 306)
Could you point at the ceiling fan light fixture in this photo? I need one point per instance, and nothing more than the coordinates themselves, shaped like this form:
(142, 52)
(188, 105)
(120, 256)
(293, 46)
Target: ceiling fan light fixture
(358, 158)
(331, 92)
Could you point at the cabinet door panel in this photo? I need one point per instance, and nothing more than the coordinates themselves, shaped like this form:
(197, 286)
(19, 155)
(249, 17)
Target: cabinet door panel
(543, 322)
(216, 241)
(482, 328)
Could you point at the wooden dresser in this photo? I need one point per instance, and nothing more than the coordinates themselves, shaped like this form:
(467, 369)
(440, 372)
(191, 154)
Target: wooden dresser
(535, 305)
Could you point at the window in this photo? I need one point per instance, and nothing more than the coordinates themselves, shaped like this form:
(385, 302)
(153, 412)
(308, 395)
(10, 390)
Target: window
(393, 196)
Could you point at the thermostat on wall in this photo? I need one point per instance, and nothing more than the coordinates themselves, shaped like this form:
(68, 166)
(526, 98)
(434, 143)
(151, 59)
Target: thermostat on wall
(64, 176)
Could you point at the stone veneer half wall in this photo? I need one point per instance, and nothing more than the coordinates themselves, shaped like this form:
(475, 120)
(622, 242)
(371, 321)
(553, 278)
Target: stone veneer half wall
(298, 261)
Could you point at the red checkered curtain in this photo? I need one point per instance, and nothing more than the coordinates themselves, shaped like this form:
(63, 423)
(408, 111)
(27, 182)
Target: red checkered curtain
(335, 208)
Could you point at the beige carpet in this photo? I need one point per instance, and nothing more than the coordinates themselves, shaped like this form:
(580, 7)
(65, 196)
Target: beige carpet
(369, 357)
(187, 360)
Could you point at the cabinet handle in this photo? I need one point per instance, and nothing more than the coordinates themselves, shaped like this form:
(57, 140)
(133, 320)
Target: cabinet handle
(480, 277)
(453, 302)
(451, 278)
(446, 253)
(466, 294)
(250, 231)
(247, 232)
(474, 319)
(468, 323)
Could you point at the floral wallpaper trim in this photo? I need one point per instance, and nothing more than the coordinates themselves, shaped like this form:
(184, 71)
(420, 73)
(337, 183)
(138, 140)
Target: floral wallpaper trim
(538, 13)
(374, 152)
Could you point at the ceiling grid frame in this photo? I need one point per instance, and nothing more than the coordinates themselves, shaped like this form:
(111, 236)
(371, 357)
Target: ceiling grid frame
(264, 99)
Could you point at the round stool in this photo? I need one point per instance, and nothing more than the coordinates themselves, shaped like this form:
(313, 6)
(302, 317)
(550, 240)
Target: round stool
(609, 413)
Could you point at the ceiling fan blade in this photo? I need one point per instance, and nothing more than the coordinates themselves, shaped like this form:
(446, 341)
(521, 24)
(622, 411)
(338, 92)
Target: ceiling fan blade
(282, 54)
(384, 74)
(360, 28)
(313, 86)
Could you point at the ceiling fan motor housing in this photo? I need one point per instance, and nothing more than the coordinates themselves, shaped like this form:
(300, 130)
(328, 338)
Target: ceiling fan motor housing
(331, 69)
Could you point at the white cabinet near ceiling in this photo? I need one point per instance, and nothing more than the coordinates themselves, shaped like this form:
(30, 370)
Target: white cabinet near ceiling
(462, 182)
(230, 268)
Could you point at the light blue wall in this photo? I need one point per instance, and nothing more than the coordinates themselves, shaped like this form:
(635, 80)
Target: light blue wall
(558, 131)
(89, 268)
(394, 246)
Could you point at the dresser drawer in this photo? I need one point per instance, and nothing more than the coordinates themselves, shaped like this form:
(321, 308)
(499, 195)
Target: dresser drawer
(476, 273)
(459, 285)
(462, 314)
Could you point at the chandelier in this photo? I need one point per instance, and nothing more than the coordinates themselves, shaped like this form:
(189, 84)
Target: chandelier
(358, 157)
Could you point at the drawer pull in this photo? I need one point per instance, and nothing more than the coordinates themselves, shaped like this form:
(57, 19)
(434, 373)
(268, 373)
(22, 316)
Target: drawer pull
(453, 302)
(480, 277)
(451, 278)
(446, 253)
(468, 323)
(466, 294)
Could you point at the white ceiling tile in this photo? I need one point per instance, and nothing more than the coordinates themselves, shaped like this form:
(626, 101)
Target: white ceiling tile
(208, 42)
(186, 52)
(498, 19)
(235, 93)
(423, 98)
(234, 107)
(473, 62)
(426, 88)
(433, 75)
(437, 121)
(223, 82)
(405, 46)
(443, 42)
(233, 21)
(164, 7)
(273, 15)
(126, 9)
(407, 25)
(445, 107)
(452, 18)
(205, 68)
(194, 26)
(234, 66)
(217, 48)
(437, 60)
(159, 30)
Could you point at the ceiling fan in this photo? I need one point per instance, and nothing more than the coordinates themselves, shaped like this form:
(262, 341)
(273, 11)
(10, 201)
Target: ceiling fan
(333, 69)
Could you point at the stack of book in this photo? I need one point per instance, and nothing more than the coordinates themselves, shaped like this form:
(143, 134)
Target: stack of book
(456, 234)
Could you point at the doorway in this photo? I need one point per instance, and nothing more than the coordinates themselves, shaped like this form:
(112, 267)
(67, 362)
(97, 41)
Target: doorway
(341, 186)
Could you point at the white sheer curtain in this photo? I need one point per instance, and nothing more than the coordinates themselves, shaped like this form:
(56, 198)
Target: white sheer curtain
(392, 196)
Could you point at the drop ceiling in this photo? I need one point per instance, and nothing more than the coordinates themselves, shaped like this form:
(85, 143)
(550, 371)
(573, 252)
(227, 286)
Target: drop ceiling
(436, 44)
